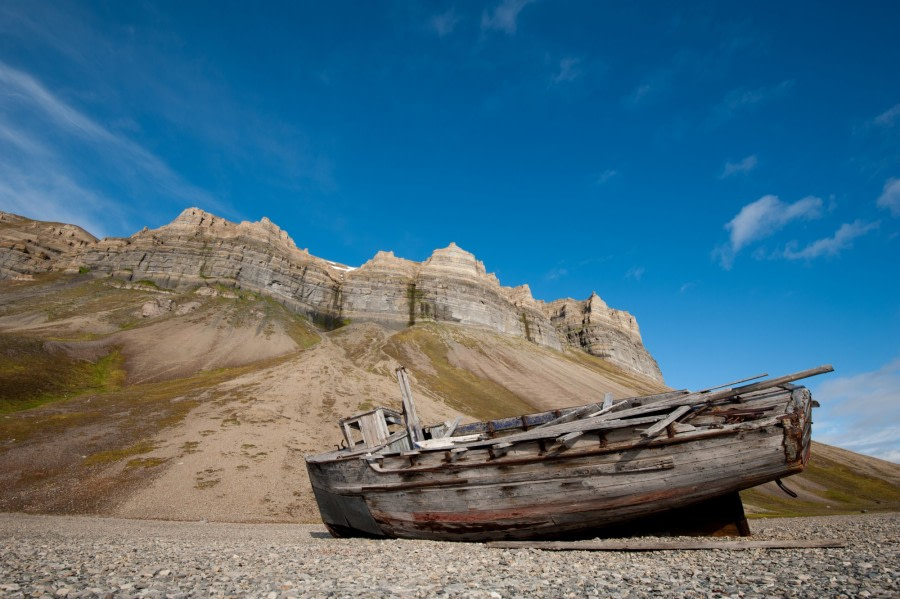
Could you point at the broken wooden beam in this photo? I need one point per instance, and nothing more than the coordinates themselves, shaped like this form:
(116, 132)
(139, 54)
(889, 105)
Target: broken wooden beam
(645, 545)
(662, 424)
(569, 417)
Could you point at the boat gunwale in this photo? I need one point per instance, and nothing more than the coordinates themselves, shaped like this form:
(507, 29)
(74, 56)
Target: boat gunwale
(706, 431)
(686, 437)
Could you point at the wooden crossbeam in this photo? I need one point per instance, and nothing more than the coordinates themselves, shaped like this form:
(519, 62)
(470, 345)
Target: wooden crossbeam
(641, 545)
(662, 424)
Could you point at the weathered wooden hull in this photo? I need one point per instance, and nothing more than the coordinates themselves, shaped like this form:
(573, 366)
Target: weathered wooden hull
(538, 488)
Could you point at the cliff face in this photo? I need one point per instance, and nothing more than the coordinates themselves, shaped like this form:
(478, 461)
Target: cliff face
(200, 249)
(604, 332)
(28, 247)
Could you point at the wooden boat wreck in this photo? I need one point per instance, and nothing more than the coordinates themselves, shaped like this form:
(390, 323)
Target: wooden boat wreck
(563, 473)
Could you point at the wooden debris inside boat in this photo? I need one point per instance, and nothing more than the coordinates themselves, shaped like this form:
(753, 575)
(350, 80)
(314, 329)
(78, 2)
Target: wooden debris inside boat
(667, 463)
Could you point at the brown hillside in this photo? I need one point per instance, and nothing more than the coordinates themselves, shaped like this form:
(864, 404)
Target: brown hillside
(202, 405)
(131, 400)
(836, 481)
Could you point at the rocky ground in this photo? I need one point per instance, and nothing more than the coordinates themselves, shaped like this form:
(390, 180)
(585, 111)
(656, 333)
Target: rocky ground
(53, 556)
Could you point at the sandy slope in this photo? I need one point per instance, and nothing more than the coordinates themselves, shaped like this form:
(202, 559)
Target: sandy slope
(240, 456)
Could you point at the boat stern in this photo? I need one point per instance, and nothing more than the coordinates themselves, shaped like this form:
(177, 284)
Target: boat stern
(798, 427)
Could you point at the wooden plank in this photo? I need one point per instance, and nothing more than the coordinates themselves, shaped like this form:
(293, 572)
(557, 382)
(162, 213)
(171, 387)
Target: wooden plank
(733, 383)
(687, 400)
(587, 424)
(722, 469)
(451, 426)
(700, 397)
(500, 449)
(788, 378)
(409, 408)
(569, 439)
(662, 424)
(692, 545)
(531, 421)
(573, 415)
(456, 453)
(607, 400)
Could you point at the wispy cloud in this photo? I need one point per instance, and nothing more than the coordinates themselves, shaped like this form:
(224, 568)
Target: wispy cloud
(504, 16)
(741, 167)
(444, 23)
(862, 412)
(831, 246)
(653, 85)
(889, 117)
(685, 287)
(49, 117)
(569, 70)
(556, 273)
(890, 197)
(635, 273)
(745, 100)
(605, 176)
(55, 197)
(761, 219)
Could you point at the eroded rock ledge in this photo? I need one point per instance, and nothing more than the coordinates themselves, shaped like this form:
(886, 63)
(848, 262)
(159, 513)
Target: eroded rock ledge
(200, 249)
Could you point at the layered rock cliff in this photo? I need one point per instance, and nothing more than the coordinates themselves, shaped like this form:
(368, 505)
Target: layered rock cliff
(602, 331)
(28, 247)
(200, 249)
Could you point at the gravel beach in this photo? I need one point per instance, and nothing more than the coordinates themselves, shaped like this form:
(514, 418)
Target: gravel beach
(55, 556)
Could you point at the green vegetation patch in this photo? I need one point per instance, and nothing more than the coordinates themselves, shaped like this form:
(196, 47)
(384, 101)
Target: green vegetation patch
(459, 388)
(146, 462)
(844, 491)
(136, 411)
(32, 375)
(114, 455)
(189, 447)
(641, 385)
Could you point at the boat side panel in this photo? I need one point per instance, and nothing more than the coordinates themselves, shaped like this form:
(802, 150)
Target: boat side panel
(346, 513)
(544, 507)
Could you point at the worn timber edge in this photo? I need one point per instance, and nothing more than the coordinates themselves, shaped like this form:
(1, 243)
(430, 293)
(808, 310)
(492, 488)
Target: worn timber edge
(640, 545)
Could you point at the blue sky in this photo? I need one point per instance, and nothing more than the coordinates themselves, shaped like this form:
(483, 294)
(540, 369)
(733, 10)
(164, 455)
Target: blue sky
(727, 172)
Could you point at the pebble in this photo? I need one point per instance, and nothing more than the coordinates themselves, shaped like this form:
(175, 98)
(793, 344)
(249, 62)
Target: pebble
(61, 556)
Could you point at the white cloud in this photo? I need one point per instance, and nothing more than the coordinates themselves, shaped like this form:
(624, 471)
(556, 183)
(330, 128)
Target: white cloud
(739, 168)
(444, 23)
(762, 218)
(652, 86)
(889, 116)
(556, 273)
(605, 176)
(890, 196)
(743, 100)
(41, 180)
(862, 412)
(504, 16)
(54, 197)
(831, 246)
(635, 272)
(767, 215)
(568, 70)
(640, 92)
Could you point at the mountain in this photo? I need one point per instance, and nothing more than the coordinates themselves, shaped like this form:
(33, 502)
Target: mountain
(185, 372)
(199, 249)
